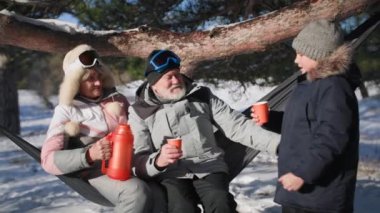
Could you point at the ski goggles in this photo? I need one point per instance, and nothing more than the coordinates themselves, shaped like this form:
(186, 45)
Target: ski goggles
(88, 58)
(162, 60)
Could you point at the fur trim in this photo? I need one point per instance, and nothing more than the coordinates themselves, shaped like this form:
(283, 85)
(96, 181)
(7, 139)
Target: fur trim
(114, 108)
(72, 128)
(337, 63)
(72, 56)
(70, 87)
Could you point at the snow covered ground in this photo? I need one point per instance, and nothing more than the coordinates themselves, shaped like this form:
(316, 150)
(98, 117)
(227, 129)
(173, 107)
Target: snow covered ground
(25, 187)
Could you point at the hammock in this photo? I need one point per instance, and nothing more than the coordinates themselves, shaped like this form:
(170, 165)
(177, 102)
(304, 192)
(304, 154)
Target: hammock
(276, 98)
(73, 180)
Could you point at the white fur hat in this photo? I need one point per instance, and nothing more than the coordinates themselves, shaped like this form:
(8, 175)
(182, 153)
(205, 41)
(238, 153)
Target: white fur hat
(74, 73)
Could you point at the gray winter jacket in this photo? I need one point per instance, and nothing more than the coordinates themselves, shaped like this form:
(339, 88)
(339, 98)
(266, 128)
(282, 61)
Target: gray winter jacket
(194, 118)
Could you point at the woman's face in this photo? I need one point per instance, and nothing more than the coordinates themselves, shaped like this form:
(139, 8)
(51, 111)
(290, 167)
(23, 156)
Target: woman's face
(92, 86)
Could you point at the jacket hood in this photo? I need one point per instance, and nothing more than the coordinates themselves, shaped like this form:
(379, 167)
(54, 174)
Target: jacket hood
(339, 63)
(74, 73)
(336, 64)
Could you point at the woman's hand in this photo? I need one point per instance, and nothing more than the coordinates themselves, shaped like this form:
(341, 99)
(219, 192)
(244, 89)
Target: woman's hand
(101, 150)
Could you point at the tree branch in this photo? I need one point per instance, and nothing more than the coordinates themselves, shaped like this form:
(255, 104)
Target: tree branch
(32, 2)
(224, 41)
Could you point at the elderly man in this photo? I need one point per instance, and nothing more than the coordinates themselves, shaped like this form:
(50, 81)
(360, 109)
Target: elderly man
(170, 105)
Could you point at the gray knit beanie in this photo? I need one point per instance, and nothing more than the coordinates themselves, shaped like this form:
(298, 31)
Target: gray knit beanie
(318, 39)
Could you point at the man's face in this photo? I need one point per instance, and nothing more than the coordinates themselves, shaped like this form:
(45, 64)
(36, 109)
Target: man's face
(92, 86)
(170, 86)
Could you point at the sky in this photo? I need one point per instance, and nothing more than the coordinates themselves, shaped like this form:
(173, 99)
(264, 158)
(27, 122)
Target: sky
(68, 18)
(25, 187)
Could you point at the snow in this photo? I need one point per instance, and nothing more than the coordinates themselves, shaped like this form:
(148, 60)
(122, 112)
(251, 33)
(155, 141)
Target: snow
(62, 25)
(25, 187)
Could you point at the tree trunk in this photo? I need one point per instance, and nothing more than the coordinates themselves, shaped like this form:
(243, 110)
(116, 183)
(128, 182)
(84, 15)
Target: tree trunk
(9, 111)
(246, 37)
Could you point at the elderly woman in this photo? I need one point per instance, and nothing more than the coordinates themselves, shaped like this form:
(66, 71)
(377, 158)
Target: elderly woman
(89, 108)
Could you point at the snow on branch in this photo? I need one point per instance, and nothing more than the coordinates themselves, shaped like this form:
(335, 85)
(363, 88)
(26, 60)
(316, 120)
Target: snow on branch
(245, 37)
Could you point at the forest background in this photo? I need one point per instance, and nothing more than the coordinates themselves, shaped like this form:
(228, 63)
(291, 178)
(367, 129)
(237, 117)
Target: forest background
(42, 71)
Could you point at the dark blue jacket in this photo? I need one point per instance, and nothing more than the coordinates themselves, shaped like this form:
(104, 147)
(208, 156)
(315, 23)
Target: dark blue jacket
(319, 143)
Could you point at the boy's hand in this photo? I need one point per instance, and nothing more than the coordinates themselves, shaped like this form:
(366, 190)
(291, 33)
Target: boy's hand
(291, 182)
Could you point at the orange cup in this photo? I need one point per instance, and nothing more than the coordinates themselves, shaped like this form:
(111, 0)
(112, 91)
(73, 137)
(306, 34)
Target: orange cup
(262, 111)
(177, 142)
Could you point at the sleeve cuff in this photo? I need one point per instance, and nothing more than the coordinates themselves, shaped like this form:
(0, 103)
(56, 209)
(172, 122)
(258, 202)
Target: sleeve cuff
(151, 169)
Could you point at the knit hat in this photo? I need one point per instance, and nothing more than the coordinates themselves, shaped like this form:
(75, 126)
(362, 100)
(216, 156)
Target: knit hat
(318, 39)
(75, 71)
(159, 63)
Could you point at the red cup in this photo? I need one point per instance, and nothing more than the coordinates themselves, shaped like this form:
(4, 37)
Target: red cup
(177, 142)
(262, 111)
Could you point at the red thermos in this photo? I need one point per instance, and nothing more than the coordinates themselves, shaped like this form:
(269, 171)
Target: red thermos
(120, 163)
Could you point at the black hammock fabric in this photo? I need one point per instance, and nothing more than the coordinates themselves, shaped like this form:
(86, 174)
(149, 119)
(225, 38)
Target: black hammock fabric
(236, 162)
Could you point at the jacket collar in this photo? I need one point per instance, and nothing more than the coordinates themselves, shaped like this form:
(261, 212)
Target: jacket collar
(145, 94)
(147, 103)
(107, 93)
(336, 64)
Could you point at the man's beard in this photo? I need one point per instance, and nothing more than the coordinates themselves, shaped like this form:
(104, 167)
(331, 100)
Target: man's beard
(166, 95)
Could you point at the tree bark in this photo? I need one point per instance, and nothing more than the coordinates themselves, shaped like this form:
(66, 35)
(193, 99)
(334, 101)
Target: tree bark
(9, 111)
(246, 37)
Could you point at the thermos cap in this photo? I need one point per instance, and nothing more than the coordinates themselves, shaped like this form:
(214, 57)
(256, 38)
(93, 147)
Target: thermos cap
(122, 129)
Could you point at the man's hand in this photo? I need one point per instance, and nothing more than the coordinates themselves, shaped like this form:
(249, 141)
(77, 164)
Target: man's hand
(101, 150)
(169, 154)
(291, 182)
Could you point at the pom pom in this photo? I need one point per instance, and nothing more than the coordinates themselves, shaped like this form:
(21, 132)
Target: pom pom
(72, 128)
(115, 108)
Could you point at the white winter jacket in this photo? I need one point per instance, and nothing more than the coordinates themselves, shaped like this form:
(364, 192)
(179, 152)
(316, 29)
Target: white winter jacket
(93, 120)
